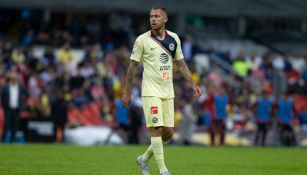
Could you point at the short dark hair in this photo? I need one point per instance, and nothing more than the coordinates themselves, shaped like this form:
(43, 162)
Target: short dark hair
(159, 7)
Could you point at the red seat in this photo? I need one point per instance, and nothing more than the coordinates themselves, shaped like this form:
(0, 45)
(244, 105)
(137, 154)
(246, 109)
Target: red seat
(86, 115)
(92, 114)
(94, 109)
(73, 116)
(300, 103)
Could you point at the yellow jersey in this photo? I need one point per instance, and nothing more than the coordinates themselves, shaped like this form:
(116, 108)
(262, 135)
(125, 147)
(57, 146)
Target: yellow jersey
(157, 57)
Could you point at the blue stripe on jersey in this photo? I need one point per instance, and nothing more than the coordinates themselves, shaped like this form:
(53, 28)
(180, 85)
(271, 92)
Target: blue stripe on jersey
(263, 112)
(284, 111)
(169, 43)
(220, 104)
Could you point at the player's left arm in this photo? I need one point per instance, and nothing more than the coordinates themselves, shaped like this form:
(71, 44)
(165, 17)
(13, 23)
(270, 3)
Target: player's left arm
(184, 70)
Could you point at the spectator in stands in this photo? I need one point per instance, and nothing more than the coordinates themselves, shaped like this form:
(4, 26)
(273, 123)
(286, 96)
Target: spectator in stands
(27, 39)
(189, 48)
(285, 111)
(6, 52)
(97, 90)
(101, 69)
(34, 84)
(13, 96)
(87, 70)
(65, 54)
(18, 56)
(62, 80)
(254, 62)
(43, 37)
(59, 108)
(263, 113)
(240, 66)
(67, 38)
(48, 56)
(44, 105)
(94, 53)
(77, 81)
(81, 97)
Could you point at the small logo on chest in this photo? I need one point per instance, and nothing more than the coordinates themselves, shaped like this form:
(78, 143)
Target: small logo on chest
(171, 46)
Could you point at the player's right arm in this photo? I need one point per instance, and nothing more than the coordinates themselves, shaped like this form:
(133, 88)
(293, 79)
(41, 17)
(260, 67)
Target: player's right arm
(135, 59)
(129, 82)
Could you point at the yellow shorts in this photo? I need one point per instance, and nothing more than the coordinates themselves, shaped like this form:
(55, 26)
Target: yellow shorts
(158, 112)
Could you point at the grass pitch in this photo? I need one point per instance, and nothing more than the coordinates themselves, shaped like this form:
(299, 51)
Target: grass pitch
(120, 160)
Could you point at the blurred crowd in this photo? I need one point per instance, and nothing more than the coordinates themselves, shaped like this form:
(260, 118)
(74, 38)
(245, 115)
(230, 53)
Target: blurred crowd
(70, 66)
(242, 89)
(61, 72)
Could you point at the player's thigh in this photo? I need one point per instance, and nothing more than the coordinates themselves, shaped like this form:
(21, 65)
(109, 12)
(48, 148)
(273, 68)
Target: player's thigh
(168, 112)
(152, 107)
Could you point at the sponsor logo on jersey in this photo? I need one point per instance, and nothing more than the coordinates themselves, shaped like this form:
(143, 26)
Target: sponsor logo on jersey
(154, 110)
(164, 58)
(164, 68)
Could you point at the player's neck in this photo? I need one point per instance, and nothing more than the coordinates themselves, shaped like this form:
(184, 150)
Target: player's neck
(160, 34)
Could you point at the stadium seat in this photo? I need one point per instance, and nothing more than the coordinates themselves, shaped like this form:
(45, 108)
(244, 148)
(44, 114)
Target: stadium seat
(73, 116)
(300, 102)
(87, 115)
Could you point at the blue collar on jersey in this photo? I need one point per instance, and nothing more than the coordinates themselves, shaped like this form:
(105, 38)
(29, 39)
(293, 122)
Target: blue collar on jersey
(169, 43)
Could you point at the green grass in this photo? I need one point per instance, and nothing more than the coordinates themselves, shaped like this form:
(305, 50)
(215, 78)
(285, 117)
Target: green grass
(120, 160)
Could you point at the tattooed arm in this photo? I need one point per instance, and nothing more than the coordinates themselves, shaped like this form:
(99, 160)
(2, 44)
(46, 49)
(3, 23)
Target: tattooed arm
(184, 70)
(129, 82)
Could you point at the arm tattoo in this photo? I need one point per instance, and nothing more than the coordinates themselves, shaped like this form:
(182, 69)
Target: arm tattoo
(185, 72)
(131, 74)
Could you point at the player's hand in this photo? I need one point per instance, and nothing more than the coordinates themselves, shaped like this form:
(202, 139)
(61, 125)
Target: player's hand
(126, 99)
(197, 90)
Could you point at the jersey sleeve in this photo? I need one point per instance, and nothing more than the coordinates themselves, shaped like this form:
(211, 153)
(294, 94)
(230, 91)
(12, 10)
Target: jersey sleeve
(179, 54)
(137, 50)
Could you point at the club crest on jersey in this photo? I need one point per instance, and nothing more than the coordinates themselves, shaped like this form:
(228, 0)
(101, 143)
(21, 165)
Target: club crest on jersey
(154, 110)
(171, 46)
(155, 120)
(164, 58)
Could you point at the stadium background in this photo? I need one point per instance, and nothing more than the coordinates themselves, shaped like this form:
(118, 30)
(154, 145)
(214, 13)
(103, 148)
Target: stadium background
(268, 37)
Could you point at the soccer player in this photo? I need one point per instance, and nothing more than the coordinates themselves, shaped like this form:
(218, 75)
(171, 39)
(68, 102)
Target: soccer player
(158, 49)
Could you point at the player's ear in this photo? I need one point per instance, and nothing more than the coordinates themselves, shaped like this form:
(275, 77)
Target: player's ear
(165, 19)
